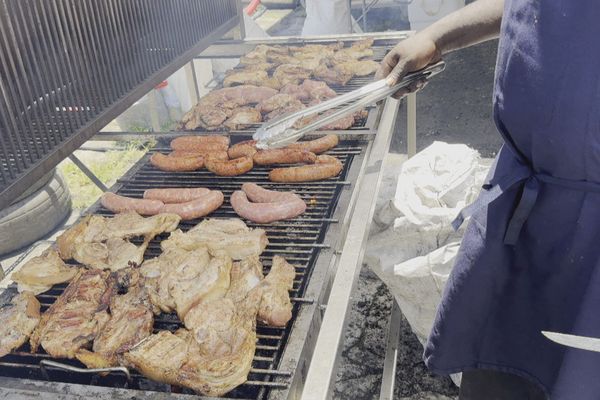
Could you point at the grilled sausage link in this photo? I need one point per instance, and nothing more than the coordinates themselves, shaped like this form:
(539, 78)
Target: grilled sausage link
(119, 204)
(264, 213)
(229, 168)
(196, 208)
(284, 156)
(317, 146)
(200, 143)
(241, 149)
(175, 195)
(325, 167)
(176, 164)
(219, 155)
(258, 194)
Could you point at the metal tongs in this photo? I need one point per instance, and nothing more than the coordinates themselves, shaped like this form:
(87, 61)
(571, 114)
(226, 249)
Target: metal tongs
(281, 132)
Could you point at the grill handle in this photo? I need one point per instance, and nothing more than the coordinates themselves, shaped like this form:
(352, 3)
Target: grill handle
(48, 363)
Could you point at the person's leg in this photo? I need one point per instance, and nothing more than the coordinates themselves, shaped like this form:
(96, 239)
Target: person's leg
(494, 385)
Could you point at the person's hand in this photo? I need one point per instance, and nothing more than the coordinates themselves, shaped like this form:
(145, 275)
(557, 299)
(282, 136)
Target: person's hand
(409, 55)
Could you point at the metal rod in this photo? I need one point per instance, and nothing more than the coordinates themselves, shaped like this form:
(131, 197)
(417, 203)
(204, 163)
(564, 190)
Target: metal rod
(87, 172)
(411, 124)
(391, 354)
(270, 372)
(54, 364)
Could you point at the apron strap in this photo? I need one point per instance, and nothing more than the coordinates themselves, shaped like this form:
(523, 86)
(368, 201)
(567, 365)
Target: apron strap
(530, 193)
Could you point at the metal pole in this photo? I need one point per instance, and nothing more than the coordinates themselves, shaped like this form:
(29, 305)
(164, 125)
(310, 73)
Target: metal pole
(388, 380)
(411, 124)
(192, 82)
(87, 172)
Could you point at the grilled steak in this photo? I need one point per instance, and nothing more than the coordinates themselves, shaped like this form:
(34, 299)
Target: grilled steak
(19, 318)
(77, 316)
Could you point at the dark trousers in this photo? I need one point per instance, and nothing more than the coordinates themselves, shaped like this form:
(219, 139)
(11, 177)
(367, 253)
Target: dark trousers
(494, 385)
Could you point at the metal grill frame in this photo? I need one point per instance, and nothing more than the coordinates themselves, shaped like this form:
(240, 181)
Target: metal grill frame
(73, 133)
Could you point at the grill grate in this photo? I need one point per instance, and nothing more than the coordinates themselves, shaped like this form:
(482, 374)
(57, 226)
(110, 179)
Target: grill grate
(298, 240)
(68, 67)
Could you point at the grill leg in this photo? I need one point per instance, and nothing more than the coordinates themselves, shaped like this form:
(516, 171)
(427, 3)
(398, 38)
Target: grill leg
(411, 122)
(88, 172)
(391, 354)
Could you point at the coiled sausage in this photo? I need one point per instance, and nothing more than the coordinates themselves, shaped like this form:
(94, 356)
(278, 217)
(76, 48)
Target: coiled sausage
(264, 213)
(196, 208)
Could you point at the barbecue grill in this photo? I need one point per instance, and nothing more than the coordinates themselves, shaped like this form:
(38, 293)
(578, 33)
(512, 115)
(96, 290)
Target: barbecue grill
(325, 245)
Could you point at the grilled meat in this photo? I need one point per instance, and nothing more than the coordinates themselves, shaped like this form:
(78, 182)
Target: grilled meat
(130, 322)
(114, 254)
(275, 305)
(357, 68)
(161, 355)
(178, 278)
(275, 102)
(95, 228)
(77, 316)
(318, 90)
(332, 76)
(259, 54)
(245, 77)
(296, 91)
(290, 73)
(350, 53)
(220, 236)
(290, 108)
(242, 117)
(19, 316)
(40, 273)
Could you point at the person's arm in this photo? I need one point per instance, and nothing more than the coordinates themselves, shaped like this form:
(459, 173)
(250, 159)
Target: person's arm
(475, 23)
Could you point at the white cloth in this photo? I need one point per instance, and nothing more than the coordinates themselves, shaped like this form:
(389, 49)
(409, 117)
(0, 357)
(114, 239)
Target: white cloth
(327, 17)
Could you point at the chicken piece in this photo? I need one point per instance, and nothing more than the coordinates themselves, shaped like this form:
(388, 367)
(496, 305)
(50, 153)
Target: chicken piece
(78, 315)
(357, 68)
(343, 123)
(40, 273)
(130, 322)
(242, 118)
(224, 333)
(350, 54)
(220, 236)
(259, 54)
(252, 77)
(95, 228)
(332, 76)
(20, 314)
(178, 278)
(297, 91)
(209, 118)
(363, 44)
(289, 108)
(114, 254)
(275, 102)
(259, 66)
(275, 306)
(318, 90)
(290, 73)
(161, 355)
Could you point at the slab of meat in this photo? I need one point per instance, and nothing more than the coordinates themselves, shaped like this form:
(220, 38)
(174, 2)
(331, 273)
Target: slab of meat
(275, 102)
(131, 321)
(358, 67)
(318, 90)
(161, 355)
(297, 91)
(254, 77)
(114, 254)
(20, 314)
(242, 118)
(290, 108)
(342, 123)
(95, 228)
(290, 73)
(41, 273)
(265, 213)
(77, 316)
(175, 195)
(259, 54)
(356, 51)
(178, 278)
(275, 305)
(221, 236)
(325, 167)
(332, 76)
(224, 333)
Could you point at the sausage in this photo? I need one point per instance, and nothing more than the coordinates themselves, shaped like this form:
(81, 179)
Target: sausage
(258, 194)
(241, 149)
(284, 156)
(166, 163)
(119, 204)
(229, 168)
(219, 155)
(264, 213)
(196, 208)
(325, 167)
(175, 195)
(200, 143)
(317, 146)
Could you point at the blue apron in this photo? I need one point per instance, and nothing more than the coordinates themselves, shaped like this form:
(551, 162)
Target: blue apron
(530, 257)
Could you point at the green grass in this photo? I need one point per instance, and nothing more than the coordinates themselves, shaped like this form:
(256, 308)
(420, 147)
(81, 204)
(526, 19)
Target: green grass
(108, 167)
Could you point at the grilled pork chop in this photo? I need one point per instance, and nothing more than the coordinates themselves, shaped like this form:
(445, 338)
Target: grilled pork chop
(275, 305)
(40, 273)
(115, 254)
(19, 316)
(243, 117)
(77, 316)
(131, 321)
(220, 236)
(291, 73)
